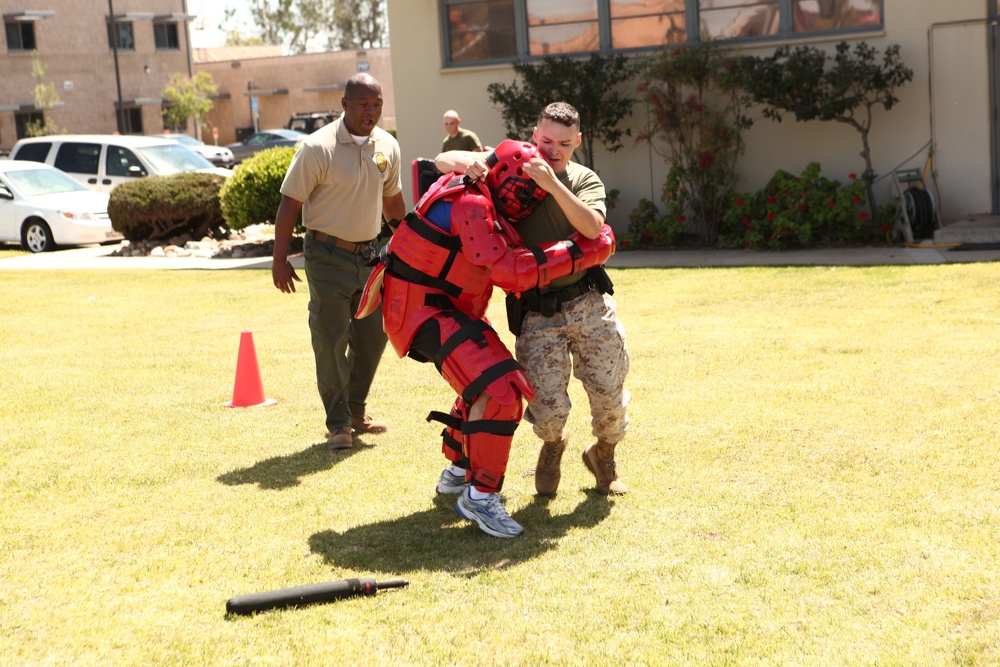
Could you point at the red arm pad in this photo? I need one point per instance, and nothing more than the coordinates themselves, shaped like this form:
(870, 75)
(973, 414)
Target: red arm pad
(520, 269)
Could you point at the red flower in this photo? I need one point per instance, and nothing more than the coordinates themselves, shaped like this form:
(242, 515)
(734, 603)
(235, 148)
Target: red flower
(770, 216)
(746, 244)
(856, 199)
(864, 216)
(657, 241)
(681, 218)
(885, 228)
(739, 202)
(852, 176)
(648, 232)
(771, 199)
(832, 204)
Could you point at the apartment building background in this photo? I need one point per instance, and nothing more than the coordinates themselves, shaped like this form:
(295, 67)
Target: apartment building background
(95, 60)
(78, 42)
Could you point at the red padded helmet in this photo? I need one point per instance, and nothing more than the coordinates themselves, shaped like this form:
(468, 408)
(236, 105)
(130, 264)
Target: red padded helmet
(514, 194)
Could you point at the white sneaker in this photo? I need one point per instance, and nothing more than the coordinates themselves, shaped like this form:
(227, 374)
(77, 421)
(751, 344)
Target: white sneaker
(450, 483)
(489, 514)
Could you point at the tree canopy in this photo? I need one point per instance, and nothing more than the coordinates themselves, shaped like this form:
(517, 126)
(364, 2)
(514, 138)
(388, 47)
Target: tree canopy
(593, 86)
(312, 25)
(188, 98)
(814, 85)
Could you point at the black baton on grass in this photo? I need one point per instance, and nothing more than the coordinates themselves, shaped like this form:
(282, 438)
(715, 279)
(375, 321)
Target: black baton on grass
(300, 596)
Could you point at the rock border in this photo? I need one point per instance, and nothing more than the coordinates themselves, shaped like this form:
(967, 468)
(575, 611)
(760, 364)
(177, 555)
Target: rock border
(254, 241)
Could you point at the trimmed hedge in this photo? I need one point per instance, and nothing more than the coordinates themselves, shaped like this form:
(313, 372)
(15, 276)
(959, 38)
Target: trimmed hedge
(253, 193)
(158, 207)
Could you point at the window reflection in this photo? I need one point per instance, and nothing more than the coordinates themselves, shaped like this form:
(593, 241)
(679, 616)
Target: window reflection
(818, 15)
(566, 38)
(733, 19)
(482, 31)
(488, 30)
(562, 26)
(547, 12)
(641, 23)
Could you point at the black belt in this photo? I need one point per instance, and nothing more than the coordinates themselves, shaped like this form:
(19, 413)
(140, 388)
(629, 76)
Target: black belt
(362, 248)
(550, 302)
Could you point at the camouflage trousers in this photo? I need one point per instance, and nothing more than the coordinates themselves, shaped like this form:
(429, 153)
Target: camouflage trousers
(587, 338)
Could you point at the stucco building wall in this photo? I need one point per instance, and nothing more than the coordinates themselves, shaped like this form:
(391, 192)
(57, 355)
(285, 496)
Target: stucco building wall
(957, 110)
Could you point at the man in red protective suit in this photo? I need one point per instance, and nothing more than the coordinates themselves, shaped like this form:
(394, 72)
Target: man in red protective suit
(435, 279)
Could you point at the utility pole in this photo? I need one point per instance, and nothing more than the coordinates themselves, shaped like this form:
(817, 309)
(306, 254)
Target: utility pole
(190, 63)
(118, 77)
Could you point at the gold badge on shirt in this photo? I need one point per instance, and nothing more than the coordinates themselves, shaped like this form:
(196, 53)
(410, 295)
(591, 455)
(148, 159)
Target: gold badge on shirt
(382, 162)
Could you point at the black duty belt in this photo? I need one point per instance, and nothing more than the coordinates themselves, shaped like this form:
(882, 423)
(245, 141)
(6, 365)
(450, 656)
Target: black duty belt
(550, 302)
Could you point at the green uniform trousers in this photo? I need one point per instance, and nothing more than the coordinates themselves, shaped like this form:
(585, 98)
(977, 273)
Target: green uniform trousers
(347, 350)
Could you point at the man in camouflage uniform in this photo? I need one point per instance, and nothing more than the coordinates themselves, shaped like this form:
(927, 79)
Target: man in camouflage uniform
(571, 324)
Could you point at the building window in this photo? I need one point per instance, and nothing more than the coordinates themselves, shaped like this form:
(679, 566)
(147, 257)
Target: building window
(739, 19)
(131, 118)
(651, 24)
(165, 35)
(826, 15)
(20, 35)
(120, 34)
(25, 121)
(562, 26)
(479, 31)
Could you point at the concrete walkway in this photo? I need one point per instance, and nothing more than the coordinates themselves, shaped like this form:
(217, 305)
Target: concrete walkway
(99, 257)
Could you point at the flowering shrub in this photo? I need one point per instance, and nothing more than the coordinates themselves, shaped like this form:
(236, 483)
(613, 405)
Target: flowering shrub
(648, 229)
(795, 211)
(696, 121)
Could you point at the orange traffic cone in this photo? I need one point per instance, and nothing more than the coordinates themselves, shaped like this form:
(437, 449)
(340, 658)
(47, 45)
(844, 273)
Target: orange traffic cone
(248, 390)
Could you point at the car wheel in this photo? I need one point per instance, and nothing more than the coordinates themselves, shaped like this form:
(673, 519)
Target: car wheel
(36, 236)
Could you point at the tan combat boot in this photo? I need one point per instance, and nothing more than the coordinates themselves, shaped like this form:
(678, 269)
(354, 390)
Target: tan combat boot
(547, 471)
(600, 460)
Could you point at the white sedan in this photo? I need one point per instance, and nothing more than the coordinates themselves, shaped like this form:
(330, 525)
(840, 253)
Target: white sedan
(42, 207)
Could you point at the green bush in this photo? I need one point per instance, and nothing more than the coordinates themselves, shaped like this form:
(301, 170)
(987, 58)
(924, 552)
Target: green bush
(253, 193)
(648, 229)
(796, 211)
(159, 207)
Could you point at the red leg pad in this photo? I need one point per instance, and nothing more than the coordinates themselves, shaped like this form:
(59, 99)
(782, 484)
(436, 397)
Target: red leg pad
(487, 443)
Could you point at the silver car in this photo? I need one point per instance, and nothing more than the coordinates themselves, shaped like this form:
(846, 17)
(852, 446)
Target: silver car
(263, 140)
(41, 207)
(220, 156)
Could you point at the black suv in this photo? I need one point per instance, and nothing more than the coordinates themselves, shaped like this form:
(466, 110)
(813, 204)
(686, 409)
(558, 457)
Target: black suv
(310, 121)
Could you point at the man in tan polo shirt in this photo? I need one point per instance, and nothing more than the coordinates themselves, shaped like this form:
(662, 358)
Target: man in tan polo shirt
(344, 178)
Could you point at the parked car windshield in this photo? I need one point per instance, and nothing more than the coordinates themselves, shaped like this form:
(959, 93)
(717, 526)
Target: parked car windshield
(173, 158)
(34, 182)
(183, 139)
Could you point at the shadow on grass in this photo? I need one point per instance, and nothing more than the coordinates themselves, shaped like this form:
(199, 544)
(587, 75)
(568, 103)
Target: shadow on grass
(283, 472)
(439, 539)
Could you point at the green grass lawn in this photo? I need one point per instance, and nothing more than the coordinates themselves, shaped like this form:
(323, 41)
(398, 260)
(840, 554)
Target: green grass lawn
(812, 460)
